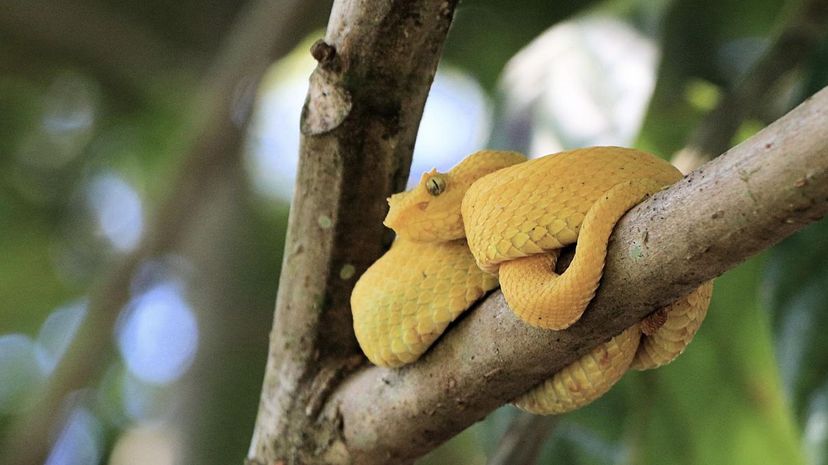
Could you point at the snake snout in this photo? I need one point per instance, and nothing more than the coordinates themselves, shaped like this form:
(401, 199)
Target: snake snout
(391, 221)
(395, 217)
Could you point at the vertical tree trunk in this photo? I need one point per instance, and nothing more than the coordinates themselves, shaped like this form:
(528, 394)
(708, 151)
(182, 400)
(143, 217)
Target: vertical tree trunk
(359, 123)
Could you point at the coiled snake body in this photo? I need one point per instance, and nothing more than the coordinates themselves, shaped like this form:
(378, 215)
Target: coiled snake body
(497, 215)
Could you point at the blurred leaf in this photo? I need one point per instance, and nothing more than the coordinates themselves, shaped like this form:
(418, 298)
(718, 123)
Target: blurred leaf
(461, 449)
(721, 402)
(816, 73)
(57, 333)
(702, 95)
(796, 286)
(80, 442)
(109, 405)
(747, 130)
(29, 288)
(579, 445)
(20, 107)
(493, 427)
(712, 41)
(20, 374)
(815, 430)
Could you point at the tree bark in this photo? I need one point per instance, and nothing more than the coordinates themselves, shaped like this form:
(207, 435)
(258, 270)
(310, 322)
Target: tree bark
(359, 123)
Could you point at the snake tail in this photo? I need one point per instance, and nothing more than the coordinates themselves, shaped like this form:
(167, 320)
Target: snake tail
(584, 380)
(547, 300)
(683, 318)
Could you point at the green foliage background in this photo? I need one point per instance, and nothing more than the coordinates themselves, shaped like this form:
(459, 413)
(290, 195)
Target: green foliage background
(753, 387)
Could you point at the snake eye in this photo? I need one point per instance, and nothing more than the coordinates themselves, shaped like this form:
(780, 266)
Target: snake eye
(436, 185)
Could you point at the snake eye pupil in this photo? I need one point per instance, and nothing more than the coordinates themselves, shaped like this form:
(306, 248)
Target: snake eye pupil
(436, 185)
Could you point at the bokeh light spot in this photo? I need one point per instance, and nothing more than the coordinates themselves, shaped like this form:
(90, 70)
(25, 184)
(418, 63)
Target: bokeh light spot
(158, 336)
(118, 211)
(456, 122)
(274, 151)
(146, 444)
(583, 82)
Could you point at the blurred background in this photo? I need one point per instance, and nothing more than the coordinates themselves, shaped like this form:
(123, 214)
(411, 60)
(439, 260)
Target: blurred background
(132, 132)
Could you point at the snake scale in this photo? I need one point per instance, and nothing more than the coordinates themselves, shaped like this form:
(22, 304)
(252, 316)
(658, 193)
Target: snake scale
(498, 218)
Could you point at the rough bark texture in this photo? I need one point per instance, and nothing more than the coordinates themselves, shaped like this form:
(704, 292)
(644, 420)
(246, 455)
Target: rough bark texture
(359, 123)
(729, 209)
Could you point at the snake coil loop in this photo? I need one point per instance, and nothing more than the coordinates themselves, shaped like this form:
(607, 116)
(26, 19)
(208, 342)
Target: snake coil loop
(494, 215)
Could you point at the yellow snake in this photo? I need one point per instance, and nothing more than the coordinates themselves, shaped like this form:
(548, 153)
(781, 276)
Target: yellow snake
(497, 214)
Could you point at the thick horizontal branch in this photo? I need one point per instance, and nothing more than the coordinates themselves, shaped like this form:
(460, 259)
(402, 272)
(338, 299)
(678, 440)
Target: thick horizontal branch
(744, 201)
(801, 33)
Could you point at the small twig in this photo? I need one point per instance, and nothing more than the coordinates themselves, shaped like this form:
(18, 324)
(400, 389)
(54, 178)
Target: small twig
(800, 35)
(327, 379)
(522, 443)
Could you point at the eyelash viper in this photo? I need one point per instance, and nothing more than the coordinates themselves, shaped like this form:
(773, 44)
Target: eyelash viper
(497, 215)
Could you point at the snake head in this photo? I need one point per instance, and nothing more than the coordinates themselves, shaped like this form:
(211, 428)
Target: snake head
(430, 212)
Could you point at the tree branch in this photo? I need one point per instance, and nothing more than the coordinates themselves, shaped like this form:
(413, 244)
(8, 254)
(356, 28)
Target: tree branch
(801, 33)
(359, 122)
(523, 442)
(266, 29)
(733, 207)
